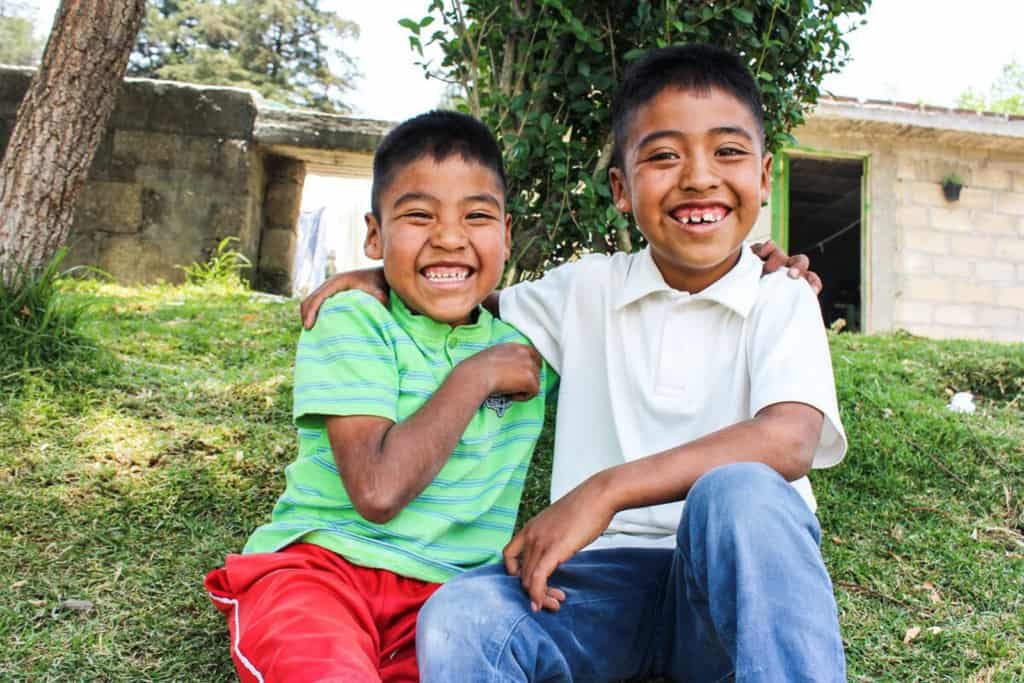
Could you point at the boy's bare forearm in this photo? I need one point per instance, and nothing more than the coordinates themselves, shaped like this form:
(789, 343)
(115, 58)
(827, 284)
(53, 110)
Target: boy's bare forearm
(385, 464)
(384, 470)
(782, 436)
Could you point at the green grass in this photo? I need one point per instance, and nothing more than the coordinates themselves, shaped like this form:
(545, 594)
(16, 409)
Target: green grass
(124, 484)
(37, 327)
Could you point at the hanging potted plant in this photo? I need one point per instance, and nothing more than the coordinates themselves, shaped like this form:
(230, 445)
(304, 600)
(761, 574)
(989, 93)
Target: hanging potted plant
(951, 186)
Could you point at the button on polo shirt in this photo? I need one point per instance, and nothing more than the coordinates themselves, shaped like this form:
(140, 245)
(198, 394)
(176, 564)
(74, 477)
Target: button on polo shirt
(645, 367)
(363, 359)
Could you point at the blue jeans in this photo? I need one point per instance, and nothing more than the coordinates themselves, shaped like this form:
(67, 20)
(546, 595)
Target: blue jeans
(744, 596)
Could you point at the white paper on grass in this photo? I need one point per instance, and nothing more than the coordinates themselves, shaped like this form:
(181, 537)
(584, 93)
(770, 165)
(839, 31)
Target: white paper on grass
(962, 402)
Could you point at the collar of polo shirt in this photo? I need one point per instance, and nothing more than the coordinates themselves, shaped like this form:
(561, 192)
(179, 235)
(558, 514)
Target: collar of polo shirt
(737, 290)
(422, 327)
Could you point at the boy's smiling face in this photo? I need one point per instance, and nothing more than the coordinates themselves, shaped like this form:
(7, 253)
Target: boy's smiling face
(694, 177)
(443, 234)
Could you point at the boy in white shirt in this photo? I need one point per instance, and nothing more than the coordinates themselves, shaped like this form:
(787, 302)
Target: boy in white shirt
(685, 376)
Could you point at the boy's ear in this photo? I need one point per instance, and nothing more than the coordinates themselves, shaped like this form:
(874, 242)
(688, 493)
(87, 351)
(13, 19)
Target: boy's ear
(371, 245)
(766, 178)
(620, 193)
(508, 237)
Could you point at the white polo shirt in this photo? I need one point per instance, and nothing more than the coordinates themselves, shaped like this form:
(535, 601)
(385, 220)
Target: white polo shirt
(645, 367)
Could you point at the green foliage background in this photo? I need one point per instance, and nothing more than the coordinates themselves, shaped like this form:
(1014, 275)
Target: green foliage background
(541, 73)
(1006, 96)
(284, 49)
(18, 45)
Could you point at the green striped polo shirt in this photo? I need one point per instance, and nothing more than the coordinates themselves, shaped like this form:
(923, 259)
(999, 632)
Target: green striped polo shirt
(364, 359)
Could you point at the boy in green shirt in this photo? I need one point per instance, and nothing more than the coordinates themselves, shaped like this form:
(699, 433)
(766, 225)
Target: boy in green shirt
(416, 425)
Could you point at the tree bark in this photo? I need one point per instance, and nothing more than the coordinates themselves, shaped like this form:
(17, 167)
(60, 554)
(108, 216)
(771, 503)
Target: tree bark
(58, 127)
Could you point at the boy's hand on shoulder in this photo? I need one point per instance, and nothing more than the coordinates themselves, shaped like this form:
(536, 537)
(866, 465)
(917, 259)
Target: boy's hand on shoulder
(369, 280)
(511, 370)
(774, 259)
(554, 536)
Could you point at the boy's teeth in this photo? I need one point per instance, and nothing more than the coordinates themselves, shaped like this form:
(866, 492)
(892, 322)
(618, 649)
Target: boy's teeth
(446, 274)
(700, 215)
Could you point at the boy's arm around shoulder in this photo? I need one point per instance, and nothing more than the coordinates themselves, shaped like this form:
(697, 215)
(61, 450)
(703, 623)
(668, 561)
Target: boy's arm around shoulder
(385, 462)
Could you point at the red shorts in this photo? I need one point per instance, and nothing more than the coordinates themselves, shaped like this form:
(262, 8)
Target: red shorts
(307, 614)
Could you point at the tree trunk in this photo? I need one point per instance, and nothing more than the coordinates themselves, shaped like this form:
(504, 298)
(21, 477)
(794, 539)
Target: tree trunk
(58, 127)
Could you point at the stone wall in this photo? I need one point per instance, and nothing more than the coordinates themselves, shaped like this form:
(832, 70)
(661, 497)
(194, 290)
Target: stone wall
(283, 198)
(172, 177)
(182, 167)
(936, 268)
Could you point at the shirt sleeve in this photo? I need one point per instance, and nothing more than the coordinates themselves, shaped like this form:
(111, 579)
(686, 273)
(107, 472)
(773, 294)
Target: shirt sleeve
(346, 364)
(790, 359)
(537, 309)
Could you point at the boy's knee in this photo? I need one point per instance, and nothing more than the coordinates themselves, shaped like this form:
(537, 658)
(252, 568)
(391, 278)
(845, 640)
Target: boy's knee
(462, 628)
(460, 612)
(744, 496)
(444, 611)
(736, 485)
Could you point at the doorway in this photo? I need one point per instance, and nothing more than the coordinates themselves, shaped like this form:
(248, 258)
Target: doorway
(331, 230)
(822, 216)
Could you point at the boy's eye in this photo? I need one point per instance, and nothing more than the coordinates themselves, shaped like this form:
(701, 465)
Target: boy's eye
(417, 215)
(662, 156)
(479, 216)
(731, 151)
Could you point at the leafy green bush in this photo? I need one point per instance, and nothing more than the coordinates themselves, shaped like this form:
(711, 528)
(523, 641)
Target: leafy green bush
(225, 267)
(38, 326)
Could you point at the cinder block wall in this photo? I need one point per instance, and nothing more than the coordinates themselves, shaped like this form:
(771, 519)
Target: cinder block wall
(281, 213)
(961, 263)
(938, 268)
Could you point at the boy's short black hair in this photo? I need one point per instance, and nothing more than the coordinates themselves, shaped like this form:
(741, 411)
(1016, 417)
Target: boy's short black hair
(696, 67)
(438, 134)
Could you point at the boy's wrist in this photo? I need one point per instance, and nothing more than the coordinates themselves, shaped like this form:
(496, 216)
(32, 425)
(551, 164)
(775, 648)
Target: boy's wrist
(476, 379)
(603, 488)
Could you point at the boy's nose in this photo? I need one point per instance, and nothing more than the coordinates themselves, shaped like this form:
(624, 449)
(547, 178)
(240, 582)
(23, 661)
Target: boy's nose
(449, 234)
(697, 174)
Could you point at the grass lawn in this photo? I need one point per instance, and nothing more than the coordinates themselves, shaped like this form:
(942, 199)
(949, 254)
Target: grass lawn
(124, 477)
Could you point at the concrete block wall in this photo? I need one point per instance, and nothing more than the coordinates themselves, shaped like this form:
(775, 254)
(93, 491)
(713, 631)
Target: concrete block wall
(160, 200)
(960, 263)
(938, 268)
